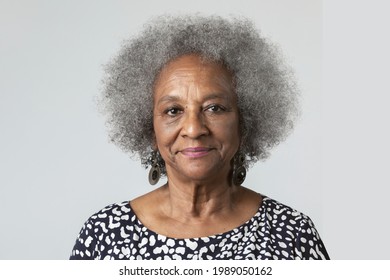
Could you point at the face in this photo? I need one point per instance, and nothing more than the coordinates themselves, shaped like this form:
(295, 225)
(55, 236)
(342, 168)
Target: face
(195, 119)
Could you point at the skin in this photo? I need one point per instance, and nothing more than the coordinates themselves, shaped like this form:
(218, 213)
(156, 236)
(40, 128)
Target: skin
(196, 124)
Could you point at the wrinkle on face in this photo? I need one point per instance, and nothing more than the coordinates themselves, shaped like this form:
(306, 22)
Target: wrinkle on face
(194, 88)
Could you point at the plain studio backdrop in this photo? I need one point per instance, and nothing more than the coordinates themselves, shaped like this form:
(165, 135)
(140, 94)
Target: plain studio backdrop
(57, 166)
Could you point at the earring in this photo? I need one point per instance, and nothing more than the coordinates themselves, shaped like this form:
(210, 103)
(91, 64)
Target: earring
(155, 171)
(239, 171)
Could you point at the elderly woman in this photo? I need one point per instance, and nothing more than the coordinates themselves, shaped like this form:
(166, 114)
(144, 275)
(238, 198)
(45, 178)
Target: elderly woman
(199, 99)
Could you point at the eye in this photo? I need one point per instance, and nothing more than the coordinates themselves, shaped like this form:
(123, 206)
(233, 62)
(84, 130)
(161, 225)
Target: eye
(215, 108)
(172, 111)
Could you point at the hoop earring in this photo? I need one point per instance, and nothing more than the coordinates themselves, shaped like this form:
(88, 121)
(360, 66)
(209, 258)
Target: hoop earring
(239, 171)
(155, 171)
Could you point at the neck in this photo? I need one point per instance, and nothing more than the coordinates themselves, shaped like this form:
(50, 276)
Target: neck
(198, 200)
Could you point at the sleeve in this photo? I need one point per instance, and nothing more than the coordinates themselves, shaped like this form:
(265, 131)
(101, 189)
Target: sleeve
(86, 244)
(308, 244)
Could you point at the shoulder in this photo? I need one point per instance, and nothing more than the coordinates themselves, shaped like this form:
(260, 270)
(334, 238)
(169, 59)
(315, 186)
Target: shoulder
(277, 210)
(293, 229)
(115, 211)
(110, 217)
(105, 225)
(285, 218)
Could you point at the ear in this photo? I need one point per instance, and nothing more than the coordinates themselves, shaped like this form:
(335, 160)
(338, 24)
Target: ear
(154, 142)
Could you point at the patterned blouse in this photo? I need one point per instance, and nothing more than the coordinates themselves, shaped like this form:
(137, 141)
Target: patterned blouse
(276, 231)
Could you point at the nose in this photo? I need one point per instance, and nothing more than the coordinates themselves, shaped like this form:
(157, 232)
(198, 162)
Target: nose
(194, 125)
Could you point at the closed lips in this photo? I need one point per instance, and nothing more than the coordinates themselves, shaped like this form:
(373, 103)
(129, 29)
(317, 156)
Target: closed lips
(195, 151)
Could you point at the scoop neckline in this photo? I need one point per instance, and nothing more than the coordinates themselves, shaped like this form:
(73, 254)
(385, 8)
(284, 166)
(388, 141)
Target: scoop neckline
(259, 212)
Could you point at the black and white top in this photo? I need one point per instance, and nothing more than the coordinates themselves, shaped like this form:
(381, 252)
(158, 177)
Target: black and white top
(275, 232)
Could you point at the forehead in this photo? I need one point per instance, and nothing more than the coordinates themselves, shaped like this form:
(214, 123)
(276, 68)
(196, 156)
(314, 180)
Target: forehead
(193, 69)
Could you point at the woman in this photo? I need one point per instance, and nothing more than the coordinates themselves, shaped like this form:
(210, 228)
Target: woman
(199, 99)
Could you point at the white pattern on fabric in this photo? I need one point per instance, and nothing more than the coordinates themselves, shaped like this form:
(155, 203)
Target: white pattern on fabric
(276, 231)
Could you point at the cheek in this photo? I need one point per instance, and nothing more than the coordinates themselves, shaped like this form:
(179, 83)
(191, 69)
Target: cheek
(164, 134)
(234, 134)
(232, 125)
(228, 132)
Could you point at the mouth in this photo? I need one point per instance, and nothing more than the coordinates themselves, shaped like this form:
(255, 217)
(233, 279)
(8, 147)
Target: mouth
(195, 152)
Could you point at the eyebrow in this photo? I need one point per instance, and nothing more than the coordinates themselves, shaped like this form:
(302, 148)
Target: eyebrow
(173, 98)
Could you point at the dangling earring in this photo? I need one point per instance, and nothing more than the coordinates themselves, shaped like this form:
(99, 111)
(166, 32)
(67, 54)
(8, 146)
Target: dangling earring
(239, 171)
(155, 171)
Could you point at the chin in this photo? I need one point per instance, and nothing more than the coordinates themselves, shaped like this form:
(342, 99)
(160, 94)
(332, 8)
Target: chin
(202, 174)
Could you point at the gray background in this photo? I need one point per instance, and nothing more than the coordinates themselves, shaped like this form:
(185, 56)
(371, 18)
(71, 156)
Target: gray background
(57, 167)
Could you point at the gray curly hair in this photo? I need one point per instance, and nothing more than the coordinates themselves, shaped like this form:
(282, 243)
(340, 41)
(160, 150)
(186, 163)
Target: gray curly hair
(266, 91)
